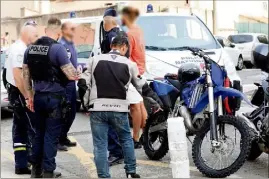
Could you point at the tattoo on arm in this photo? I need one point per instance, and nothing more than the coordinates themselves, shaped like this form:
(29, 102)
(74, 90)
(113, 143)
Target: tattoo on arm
(69, 71)
(27, 78)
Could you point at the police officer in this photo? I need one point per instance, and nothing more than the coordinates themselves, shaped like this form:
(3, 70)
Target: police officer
(111, 30)
(22, 130)
(68, 32)
(46, 63)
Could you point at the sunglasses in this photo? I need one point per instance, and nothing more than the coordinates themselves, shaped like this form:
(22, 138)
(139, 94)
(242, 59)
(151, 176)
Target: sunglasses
(33, 23)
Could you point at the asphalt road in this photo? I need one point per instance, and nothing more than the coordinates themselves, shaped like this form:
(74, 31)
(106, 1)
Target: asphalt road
(78, 161)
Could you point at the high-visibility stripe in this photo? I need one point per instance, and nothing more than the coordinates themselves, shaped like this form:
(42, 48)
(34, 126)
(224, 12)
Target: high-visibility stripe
(18, 144)
(20, 149)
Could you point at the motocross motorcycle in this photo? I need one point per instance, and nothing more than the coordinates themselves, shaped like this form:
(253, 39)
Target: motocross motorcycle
(200, 100)
(260, 98)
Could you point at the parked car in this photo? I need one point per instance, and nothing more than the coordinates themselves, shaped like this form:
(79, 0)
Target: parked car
(246, 42)
(233, 51)
(4, 95)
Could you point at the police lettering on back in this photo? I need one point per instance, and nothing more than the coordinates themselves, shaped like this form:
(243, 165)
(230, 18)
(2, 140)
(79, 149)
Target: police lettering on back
(39, 50)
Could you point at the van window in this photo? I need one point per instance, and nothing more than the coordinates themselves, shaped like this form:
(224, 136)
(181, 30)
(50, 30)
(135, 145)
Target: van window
(240, 39)
(84, 39)
(263, 39)
(176, 31)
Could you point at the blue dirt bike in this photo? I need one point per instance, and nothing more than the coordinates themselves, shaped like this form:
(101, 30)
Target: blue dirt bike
(202, 101)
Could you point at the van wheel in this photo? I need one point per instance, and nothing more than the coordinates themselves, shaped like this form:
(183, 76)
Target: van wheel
(240, 63)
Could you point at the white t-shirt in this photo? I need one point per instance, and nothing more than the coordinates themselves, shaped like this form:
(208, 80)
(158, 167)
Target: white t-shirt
(14, 59)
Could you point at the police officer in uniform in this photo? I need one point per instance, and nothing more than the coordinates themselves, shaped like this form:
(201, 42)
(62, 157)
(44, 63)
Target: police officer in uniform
(46, 63)
(23, 128)
(68, 32)
(111, 30)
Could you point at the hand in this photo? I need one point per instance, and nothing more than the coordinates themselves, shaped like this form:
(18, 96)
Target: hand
(159, 109)
(30, 104)
(87, 114)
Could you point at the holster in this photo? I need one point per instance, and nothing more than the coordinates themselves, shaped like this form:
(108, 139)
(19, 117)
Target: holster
(66, 109)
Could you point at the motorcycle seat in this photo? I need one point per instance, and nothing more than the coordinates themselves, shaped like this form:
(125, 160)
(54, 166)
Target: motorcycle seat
(174, 82)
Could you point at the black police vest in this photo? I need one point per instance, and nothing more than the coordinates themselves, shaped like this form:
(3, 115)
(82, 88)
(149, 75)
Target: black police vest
(40, 66)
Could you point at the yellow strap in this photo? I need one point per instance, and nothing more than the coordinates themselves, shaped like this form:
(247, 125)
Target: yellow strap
(20, 149)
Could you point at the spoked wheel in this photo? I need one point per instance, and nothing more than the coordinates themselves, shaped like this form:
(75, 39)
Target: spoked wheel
(235, 139)
(155, 143)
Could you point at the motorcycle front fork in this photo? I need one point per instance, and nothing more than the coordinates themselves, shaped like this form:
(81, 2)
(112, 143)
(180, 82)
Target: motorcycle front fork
(212, 114)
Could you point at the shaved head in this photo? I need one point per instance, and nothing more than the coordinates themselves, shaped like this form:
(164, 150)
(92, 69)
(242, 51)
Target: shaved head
(68, 30)
(109, 23)
(29, 34)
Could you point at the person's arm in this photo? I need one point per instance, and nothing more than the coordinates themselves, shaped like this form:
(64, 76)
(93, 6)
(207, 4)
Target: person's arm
(65, 64)
(27, 82)
(143, 88)
(17, 61)
(131, 43)
(84, 85)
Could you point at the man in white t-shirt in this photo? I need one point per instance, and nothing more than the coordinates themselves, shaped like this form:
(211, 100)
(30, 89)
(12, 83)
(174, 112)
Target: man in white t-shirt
(23, 130)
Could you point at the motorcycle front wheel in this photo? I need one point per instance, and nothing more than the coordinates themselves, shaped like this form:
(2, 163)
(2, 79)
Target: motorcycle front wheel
(225, 159)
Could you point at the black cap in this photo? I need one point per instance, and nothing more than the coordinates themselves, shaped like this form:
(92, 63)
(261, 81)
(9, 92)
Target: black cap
(110, 12)
(120, 39)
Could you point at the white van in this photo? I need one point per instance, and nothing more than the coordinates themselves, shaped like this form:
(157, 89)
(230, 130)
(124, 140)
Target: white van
(165, 35)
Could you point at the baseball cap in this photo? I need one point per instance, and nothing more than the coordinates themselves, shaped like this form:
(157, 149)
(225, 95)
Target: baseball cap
(110, 12)
(120, 39)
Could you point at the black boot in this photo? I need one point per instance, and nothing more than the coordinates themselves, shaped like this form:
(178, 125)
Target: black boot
(132, 175)
(51, 174)
(67, 142)
(37, 171)
(22, 171)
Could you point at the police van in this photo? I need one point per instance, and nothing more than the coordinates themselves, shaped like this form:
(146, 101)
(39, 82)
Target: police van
(165, 34)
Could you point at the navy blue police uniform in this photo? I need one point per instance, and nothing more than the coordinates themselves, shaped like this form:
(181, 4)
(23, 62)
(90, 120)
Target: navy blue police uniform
(44, 59)
(70, 93)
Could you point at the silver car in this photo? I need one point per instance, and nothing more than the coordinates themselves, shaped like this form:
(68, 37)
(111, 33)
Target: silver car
(246, 42)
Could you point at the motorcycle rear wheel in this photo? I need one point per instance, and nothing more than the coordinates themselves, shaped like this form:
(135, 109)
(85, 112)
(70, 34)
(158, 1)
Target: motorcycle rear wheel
(245, 146)
(150, 138)
(255, 151)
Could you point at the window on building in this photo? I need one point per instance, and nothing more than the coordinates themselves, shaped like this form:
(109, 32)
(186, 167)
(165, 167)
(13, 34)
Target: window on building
(263, 39)
(84, 39)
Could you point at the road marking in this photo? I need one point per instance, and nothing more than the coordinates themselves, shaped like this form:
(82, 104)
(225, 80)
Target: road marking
(84, 158)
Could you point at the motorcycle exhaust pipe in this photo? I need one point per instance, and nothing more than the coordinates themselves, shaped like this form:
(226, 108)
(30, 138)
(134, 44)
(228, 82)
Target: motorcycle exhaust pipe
(183, 111)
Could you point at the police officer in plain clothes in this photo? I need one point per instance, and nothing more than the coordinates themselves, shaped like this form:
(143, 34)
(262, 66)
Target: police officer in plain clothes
(23, 128)
(111, 30)
(115, 72)
(68, 32)
(46, 63)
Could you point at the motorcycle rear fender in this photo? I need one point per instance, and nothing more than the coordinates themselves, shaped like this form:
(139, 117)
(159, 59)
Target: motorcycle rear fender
(248, 122)
(218, 91)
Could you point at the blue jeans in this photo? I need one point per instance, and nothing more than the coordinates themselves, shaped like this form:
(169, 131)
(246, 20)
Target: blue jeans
(100, 122)
(49, 122)
(114, 146)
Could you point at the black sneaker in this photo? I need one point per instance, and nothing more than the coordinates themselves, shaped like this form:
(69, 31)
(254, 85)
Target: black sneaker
(115, 160)
(37, 171)
(67, 142)
(137, 145)
(22, 171)
(61, 147)
(132, 175)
